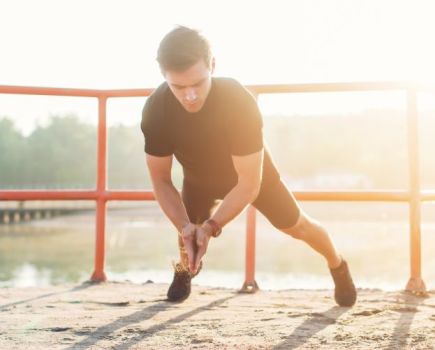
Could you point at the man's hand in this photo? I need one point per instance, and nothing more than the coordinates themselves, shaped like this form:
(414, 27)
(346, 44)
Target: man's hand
(189, 239)
(203, 234)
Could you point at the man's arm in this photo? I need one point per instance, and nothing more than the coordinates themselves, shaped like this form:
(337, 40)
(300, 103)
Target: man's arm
(165, 191)
(171, 203)
(249, 170)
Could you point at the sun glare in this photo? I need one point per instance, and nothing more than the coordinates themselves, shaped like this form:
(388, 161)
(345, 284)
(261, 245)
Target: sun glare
(332, 41)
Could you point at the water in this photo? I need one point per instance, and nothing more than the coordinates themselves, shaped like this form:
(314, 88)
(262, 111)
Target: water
(141, 246)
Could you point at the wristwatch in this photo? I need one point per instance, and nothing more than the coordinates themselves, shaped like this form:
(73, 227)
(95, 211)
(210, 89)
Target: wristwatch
(215, 228)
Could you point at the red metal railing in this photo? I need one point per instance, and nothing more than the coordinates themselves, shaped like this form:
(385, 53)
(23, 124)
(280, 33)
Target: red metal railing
(413, 195)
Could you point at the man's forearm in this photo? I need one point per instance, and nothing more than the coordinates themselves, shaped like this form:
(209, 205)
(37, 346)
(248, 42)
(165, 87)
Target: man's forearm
(234, 202)
(171, 203)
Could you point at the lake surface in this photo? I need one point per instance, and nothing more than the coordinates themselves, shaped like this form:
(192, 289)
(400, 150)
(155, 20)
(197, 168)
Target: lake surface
(141, 246)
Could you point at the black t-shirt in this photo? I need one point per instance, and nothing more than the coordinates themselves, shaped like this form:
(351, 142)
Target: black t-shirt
(229, 123)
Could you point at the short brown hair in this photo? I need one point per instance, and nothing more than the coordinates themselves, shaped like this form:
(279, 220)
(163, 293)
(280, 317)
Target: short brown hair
(181, 48)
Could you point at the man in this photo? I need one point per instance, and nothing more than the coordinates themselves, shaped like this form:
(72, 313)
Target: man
(213, 127)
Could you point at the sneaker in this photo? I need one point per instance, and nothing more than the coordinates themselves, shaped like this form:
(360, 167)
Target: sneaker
(345, 292)
(179, 289)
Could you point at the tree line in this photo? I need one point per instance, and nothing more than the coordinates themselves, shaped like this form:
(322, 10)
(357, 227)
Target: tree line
(62, 154)
(372, 145)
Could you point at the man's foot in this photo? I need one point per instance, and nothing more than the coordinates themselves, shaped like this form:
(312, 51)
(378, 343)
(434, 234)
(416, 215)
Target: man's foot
(345, 292)
(179, 289)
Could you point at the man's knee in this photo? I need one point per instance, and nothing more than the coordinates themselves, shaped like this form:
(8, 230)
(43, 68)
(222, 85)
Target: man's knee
(303, 225)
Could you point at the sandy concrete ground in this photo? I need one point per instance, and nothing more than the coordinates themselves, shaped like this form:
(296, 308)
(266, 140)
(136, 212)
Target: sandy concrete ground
(131, 316)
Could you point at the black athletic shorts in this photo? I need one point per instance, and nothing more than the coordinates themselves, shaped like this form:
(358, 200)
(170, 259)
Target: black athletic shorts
(274, 201)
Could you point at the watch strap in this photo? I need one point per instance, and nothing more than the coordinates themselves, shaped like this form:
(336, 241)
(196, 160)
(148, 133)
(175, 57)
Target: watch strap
(216, 229)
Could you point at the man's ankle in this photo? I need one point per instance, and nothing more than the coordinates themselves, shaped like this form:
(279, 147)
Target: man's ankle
(179, 266)
(336, 263)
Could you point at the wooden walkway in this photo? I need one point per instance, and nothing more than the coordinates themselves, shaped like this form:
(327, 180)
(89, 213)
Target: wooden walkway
(17, 215)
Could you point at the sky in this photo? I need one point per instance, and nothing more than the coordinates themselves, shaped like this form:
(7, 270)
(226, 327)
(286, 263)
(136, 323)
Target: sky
(112, 44)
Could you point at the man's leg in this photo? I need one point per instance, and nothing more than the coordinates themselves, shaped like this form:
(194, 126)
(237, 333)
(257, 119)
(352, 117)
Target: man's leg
(312, 233)
(183, 254)
(198, 206)
(278, 204)
(280, 207)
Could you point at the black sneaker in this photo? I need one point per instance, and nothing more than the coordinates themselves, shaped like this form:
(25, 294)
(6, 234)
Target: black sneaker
(179, 289)
(345, 292)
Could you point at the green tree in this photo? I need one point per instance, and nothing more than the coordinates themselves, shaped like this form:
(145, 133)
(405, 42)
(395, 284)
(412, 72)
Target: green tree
(11, 154)
(62, 154)
(126, 158)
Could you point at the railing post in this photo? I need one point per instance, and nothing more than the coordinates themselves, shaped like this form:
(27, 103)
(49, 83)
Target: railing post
(100, 238)
(250, 285)
(415, 283)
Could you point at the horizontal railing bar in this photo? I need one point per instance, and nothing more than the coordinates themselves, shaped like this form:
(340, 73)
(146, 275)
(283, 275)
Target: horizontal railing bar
(364, 196)
(130, 195)
(127, 92)
(259, 89)
(341, 87)
(330, 87)
(50, 91)
(47, 195)
(400, 196)
(427, 195)
(33, 90)
(74, 195)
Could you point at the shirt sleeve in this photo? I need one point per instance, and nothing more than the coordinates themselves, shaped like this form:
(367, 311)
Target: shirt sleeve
(245, 124)
(156, 130)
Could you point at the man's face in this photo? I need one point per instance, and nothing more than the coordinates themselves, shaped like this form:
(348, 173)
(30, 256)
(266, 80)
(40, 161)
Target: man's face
(191, 86)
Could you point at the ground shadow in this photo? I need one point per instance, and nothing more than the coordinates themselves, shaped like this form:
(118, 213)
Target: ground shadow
(407, 308)
(84, 285)
(159, 327)
(137, 317)
(311, 326)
